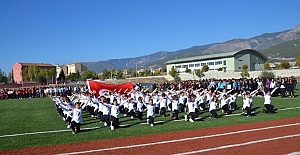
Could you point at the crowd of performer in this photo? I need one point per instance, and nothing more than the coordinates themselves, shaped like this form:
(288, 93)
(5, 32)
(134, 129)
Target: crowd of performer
(188, 97)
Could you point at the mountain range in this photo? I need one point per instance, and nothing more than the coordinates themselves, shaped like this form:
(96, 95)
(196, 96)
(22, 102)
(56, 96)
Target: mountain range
(267, 43)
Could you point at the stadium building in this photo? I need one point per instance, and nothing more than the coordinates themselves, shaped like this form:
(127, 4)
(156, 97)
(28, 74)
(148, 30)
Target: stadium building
(225, 62)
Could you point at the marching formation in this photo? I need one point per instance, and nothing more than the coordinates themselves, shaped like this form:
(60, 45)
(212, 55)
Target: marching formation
(108, 106)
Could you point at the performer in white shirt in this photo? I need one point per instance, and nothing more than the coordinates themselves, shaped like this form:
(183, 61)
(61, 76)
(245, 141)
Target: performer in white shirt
(213, 108)
(77, 118)
(151, 112)
(267, 103)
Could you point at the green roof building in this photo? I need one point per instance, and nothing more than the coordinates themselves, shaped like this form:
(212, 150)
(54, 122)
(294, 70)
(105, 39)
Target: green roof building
(227, 61)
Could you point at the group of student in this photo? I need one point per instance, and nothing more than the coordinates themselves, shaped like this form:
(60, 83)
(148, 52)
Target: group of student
(108, 106)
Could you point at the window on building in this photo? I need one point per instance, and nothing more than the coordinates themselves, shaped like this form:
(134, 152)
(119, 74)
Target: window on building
(203, 64)
(224, 62)
(178, 66)
(184, 66)
(211, 63)
(197, 65)
(240, 67)
(191, 65)
(218, 62)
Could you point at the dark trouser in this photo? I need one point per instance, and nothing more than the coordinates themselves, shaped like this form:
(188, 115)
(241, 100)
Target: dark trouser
(269, 108)
(151, 120)
(175, 114)
(132, 113)
(88, 108)
(68, 120)
(181, 107)
(248, 109)
(106, 119)
(156, 110)
(60, 112)
(163, 111)
(282, 91)
(77, 125)
(122, 110)
(115, 121)
(140, 115)
(291, 92)
(126, 111)
(202, 105)
(233, 105)
(100, 115)
(225, 108)
(193, 115)
(91, 110)
(213, 113)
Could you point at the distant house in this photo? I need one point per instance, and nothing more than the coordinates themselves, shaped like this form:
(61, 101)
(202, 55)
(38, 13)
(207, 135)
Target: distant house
(71, 68)
(18, 67)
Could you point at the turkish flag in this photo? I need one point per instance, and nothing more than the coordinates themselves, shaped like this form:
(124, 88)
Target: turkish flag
(99, 87)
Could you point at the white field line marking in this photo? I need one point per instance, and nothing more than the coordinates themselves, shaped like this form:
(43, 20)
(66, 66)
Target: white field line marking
(181, 140)
(238, 145)
(294, 153)
(124, 125)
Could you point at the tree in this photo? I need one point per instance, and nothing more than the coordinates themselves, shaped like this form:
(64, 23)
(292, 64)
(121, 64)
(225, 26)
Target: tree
(89, 74)
(200, 73)
(112, 72)
(9, 77)
(33, 72)
(205, 68)
(51, 73)
(265, 74)
(187, 70)
(130, 72)
(245, 72)
(157, 72)
(245, 67)
(220, 69)
(173, 72)
(105, 74)
(298, 61)
(25, 74)
(267, 66)
(3, 78)
(61, 76)
(120, 74)
(285, 65)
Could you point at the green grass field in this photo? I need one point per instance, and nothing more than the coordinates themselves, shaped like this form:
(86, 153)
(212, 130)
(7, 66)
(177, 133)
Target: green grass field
(39, 114)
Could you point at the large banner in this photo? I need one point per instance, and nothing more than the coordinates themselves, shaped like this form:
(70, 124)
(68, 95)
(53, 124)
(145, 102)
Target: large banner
(99, 87)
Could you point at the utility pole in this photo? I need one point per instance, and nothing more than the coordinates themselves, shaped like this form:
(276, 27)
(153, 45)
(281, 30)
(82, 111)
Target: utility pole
(136, 73)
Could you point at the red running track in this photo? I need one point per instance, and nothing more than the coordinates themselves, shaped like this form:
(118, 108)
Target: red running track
(270, 137)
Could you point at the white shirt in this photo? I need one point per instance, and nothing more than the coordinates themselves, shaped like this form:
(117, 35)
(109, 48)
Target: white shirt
(150, 110)
(77, 115)
(163, 103)
(174, 105)
(213, 105)
(131, 106)
(191, 106)
(246, 102)
(224, 101)
(106, 109)
(139, 106)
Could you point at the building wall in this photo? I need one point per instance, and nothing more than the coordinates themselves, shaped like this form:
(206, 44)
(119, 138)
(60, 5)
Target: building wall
(254, 61)
(17, 72)
(227, 64)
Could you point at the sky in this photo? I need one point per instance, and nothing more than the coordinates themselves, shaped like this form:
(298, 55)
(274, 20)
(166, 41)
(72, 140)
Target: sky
(66, 31)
